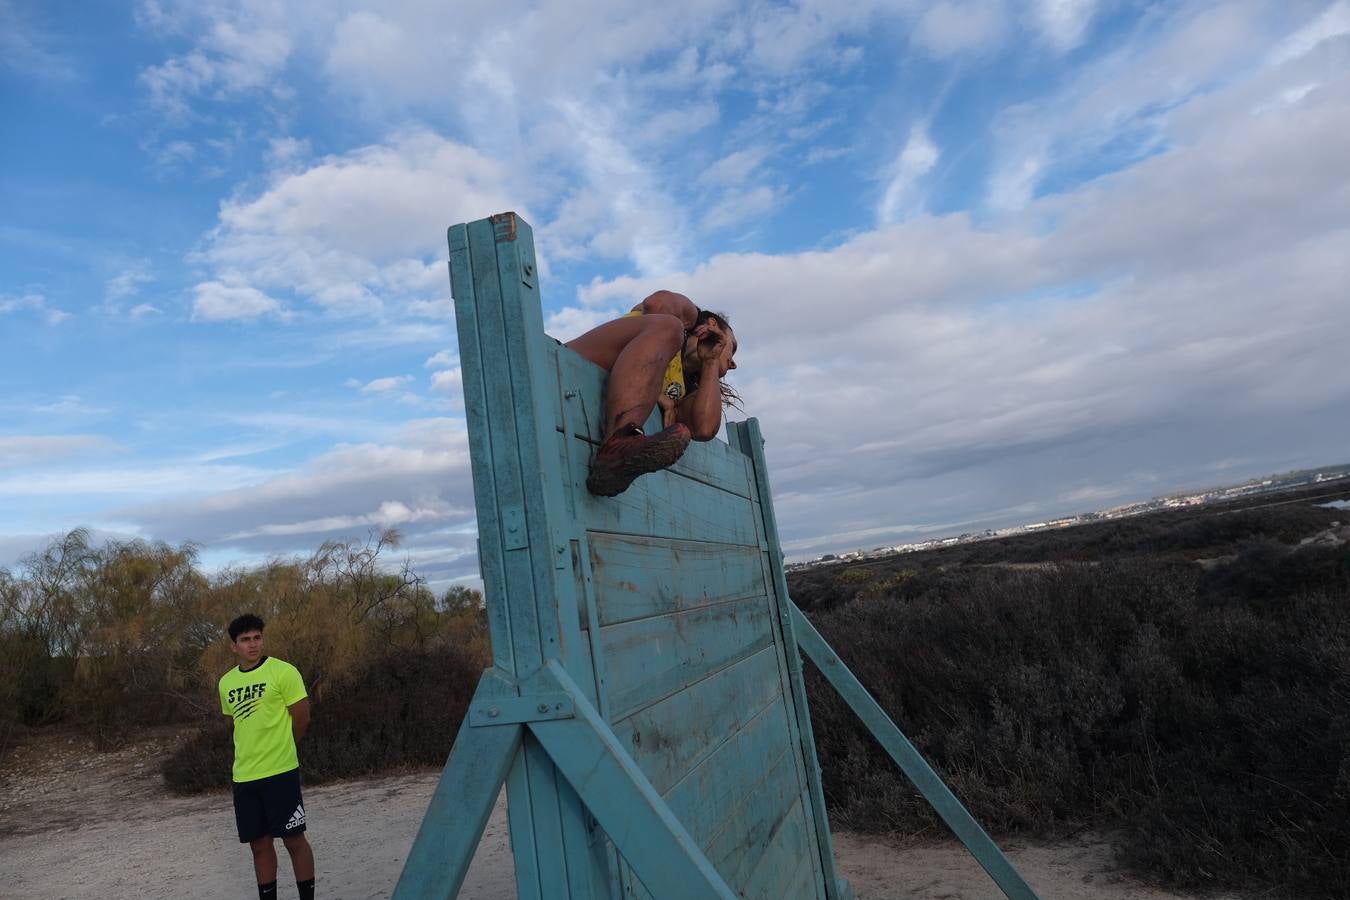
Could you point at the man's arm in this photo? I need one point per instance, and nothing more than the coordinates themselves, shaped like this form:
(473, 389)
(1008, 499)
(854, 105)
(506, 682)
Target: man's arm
(701, 411)
(671, 304)
(299, 718)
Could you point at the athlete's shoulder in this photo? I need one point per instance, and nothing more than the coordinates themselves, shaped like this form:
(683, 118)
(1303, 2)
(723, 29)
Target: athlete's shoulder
(234, 670)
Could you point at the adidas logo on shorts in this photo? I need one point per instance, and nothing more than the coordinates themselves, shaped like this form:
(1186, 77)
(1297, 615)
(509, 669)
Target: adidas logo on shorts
(297, 818)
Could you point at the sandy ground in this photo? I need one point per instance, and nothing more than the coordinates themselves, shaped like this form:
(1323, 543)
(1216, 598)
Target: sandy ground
(76, 824)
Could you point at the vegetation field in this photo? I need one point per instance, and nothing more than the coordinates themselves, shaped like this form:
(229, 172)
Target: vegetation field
(1178, 680)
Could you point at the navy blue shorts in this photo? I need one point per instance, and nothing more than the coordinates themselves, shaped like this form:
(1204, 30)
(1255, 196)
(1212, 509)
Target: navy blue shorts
(269, 806)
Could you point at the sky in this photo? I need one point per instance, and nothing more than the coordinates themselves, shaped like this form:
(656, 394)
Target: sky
(988, 261)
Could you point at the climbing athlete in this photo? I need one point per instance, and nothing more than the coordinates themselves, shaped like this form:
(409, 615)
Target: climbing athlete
(669, 353)
(265, 700)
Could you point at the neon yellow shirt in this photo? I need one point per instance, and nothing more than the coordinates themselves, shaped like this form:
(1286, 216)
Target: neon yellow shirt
(257, 700)
(672, 385)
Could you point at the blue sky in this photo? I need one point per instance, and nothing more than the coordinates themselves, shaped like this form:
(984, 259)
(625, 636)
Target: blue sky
(988, 260)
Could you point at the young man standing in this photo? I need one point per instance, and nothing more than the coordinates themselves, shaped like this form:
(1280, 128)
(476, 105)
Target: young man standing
(265, 698)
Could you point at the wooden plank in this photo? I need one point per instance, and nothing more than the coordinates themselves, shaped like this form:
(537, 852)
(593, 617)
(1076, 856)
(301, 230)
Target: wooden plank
(709, 798)
(663, 504)
(673, 736)
(523, 499)
(490, 559)
(786, 862)
(747, 436)
(745, 841)
(458, 812)
(910, 761)
(649, 659)
(624, 802)
(636, 577)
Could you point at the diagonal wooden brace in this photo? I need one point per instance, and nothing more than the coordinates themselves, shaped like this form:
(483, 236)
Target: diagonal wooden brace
(627, 806)
(464, 797)
(910, 761)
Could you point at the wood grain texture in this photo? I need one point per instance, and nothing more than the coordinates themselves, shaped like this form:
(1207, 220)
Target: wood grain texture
(636, 577)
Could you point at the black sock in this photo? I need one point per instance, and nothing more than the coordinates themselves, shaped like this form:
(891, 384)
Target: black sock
(268, 891)
(306, 889)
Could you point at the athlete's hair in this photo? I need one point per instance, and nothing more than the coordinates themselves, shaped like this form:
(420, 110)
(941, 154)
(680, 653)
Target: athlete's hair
(246, 622)
(729, 396)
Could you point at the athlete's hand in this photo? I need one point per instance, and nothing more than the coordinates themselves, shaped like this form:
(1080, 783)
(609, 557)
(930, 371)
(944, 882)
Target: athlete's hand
(667, 406)
(712, 340)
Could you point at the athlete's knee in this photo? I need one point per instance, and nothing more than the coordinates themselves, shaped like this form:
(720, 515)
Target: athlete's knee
(261, 846)
(294, 842)
(669, 328)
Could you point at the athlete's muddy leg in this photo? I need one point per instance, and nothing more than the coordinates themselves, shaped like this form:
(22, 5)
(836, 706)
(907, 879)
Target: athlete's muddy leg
(264, 859)
(637, 352)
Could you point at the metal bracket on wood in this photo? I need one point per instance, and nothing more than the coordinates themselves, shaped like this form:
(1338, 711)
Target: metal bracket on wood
(519, 710)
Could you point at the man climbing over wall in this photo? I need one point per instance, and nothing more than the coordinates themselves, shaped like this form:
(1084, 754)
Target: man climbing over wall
(265, 699)
(665, 352)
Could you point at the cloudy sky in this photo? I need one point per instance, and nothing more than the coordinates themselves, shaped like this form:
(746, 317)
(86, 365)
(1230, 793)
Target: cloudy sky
(988, 260)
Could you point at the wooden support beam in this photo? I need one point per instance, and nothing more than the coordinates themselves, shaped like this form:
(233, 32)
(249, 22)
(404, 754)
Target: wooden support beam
(616, 791)
(459, 808)
(910, 761)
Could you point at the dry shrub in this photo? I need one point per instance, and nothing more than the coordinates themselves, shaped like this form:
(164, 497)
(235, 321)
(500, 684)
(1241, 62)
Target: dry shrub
(1203, 716)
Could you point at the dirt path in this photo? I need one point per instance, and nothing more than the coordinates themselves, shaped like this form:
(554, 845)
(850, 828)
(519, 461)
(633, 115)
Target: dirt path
(77, 825)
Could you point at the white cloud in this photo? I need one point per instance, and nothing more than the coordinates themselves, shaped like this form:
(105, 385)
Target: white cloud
(443, 359)
(34, 303)
(1121, 101)
(1332, 22)
(22, 450)
(219, 302)
(127, 283)
(421, 479)
(385, 385)
(739, 207)
(352, 233)
(915, 160)
(1063, 23)
(239, 47)
(952, 27)
(448, 381)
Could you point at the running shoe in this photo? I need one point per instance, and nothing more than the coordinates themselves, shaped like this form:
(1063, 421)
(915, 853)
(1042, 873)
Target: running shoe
(629, 453)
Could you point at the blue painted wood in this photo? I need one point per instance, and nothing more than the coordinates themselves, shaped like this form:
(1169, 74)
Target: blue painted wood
(637, 577)
(663, 611)
(652, 658)
(664, 504)
(747, 436)
(508, 381)
(460, 806)
(626, 805)
(661, 740)
(480, 444)
(910, 761)
(713, 792)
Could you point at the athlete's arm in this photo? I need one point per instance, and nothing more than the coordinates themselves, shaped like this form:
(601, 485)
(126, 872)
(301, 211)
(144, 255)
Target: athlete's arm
(671, 304)
(701, 410)
(299, 718)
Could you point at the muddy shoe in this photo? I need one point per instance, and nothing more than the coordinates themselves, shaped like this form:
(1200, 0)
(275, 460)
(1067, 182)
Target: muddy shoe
(629, 453)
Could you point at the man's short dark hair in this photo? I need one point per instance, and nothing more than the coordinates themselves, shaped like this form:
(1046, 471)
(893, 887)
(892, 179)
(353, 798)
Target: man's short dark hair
(246, 622)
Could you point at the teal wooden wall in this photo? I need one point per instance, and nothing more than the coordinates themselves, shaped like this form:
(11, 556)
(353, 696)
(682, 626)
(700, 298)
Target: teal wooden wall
(666, 605)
